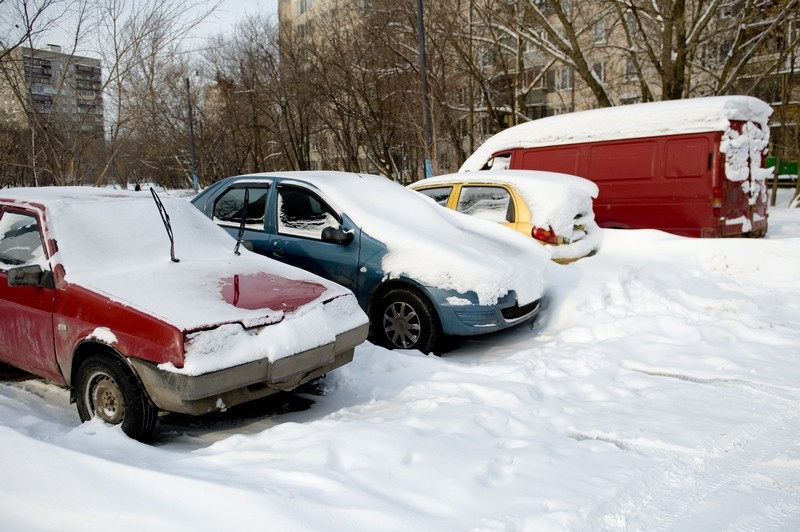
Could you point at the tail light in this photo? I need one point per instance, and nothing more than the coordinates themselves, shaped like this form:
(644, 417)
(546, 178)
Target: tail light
(716, 201)
(547, 236)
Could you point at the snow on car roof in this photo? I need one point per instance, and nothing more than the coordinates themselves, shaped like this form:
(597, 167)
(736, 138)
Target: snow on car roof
(626, 121)
(553, 198)
(438, 247)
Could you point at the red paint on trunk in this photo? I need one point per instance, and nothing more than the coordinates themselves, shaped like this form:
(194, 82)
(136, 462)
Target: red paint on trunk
(265, 290)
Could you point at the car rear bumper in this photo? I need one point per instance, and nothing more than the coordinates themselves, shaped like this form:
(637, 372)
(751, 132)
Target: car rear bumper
(186, 394)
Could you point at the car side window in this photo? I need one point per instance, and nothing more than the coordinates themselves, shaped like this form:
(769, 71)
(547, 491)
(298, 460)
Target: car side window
(303, 214)
(439, 194)
(20, 240)
(487, 202)
(228, 207)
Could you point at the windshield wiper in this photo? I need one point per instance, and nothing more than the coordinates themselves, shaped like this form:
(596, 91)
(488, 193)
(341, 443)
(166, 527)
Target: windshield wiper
(244, 220)
(165, 218)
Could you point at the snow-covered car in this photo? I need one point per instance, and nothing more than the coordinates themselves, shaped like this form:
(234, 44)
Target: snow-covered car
(421, 272)
(140, 306)
(555, 209)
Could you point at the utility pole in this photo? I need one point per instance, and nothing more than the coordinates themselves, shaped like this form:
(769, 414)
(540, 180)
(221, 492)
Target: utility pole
(426, 104)
(191, 137)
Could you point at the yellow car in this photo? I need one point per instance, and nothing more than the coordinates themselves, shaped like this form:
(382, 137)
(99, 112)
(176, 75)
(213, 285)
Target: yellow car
(555, 209)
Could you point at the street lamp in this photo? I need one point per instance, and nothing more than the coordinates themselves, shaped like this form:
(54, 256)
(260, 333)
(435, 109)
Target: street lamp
(191, 137)
(426, 104)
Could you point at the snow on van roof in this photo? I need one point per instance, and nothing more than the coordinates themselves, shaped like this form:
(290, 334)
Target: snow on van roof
(627, 121)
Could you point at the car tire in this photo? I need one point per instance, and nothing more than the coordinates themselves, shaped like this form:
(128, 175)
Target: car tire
(403, 319)
(106, 388)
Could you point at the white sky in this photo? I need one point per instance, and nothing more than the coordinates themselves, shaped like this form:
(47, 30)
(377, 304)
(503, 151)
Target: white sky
(232, 11)
(222, 20)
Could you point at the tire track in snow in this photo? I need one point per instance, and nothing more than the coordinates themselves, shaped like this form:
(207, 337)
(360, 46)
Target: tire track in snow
(685, 491)
(784, 392)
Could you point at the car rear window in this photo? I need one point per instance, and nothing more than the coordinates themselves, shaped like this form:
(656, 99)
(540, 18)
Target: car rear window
(20, 242)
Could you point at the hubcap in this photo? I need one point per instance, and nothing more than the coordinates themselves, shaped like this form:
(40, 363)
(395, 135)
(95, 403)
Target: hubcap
(106, 399)
(402, 325)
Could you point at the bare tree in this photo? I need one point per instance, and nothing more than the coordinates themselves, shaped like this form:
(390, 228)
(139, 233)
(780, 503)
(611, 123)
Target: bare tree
(133, 39)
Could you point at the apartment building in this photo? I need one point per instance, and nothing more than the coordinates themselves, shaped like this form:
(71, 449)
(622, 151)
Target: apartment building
(49, 88)
(526, 60)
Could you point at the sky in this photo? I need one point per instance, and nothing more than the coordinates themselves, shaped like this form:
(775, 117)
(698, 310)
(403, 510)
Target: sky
(230, 12)
(223, 20)
(658, 390)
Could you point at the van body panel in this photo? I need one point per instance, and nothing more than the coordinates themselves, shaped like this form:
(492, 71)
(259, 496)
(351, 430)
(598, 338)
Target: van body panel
(689, 167)
(664, 183)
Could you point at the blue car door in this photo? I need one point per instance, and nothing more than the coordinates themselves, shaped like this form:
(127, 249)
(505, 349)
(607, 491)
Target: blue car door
(306, 232)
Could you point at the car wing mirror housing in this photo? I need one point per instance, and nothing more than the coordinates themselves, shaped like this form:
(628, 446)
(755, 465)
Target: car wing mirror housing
(31, 275)
(336, 235)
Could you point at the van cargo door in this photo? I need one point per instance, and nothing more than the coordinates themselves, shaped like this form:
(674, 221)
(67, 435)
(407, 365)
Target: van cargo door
(744, 197)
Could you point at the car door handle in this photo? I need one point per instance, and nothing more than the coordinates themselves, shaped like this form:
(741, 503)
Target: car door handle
(278, 253)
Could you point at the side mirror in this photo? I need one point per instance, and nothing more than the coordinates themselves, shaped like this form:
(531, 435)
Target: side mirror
(336, 235)
(31, 275)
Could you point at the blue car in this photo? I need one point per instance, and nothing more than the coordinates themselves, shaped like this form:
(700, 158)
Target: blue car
(421, 272)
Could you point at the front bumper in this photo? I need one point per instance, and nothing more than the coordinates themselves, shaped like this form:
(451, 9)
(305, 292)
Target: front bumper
(469, 320)
(200, 394)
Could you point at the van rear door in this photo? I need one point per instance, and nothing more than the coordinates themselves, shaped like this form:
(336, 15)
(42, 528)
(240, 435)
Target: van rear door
(743, 191)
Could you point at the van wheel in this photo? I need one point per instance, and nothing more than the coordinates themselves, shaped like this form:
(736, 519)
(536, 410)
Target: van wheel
(107, 389)
(404, 319)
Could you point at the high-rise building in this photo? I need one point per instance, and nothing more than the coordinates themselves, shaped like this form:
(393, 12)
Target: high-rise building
(49, 88)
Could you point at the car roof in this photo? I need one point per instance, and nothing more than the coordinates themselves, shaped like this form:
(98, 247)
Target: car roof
(519, 179)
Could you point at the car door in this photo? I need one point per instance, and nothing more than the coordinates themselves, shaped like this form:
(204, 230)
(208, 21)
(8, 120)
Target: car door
(297, 219)
(26, 312)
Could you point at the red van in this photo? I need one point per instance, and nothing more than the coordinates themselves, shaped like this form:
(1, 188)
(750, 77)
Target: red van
(689, 167)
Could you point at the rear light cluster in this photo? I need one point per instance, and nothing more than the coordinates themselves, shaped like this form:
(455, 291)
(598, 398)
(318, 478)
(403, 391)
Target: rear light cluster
(716, 201)
(548, 236)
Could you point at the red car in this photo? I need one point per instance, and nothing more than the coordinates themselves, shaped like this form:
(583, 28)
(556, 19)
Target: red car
(140, 306)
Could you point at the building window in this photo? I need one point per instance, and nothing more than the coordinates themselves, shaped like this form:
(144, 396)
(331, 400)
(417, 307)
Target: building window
(564, 79)
(600, 32)
(599, 70)
(533, 78)
(303, 6)
(630, 69)
(632, 24)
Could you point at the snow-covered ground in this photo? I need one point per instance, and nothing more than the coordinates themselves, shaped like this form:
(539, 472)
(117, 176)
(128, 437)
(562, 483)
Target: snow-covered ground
(660, 390)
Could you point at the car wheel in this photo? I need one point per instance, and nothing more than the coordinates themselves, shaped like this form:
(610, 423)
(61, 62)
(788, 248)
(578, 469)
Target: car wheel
(107, 389)
(405, 320)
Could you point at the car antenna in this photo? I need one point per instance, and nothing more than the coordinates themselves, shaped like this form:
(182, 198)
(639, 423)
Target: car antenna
(244, 220)
(165, 218)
